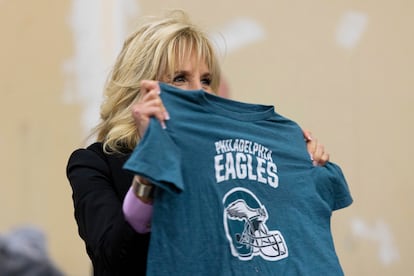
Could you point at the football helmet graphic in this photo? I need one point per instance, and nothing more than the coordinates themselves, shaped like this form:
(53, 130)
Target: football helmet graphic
(245, 226)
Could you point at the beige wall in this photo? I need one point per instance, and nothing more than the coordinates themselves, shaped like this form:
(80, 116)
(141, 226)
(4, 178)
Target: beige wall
(343, 69)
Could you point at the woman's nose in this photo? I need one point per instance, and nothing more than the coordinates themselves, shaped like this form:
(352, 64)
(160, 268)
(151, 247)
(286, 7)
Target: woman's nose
(195, 85)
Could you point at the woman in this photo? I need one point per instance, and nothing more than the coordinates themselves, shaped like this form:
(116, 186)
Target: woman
(113, 216)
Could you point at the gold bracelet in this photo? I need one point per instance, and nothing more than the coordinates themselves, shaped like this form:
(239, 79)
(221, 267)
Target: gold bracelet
(143, 191)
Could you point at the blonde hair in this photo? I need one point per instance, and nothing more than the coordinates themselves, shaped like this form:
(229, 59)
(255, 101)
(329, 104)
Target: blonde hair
(152, 52)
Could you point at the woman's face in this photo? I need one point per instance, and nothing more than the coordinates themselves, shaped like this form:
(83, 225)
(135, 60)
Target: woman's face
(192, 75)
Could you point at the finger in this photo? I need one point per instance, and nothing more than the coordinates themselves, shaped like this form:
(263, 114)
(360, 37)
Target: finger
(149, 106)
(319, 151)
(307, 135)
(143, 112)
(153, 99)
(158, 113)
(151, 91)
(148, 86)
(311, 147)
(320, 155)
(322, 160)
(156, 105)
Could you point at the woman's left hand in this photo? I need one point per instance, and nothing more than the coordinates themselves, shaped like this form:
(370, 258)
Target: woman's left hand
(315, 149)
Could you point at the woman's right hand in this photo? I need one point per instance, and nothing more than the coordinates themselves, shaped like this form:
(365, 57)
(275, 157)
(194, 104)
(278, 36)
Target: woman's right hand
(148, 105)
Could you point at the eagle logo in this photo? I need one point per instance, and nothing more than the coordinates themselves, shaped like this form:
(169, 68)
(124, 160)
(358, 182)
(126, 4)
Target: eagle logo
(246, 230)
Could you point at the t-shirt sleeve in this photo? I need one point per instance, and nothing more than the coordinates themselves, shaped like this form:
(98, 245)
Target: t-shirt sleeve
(333, 186)
(157, 158)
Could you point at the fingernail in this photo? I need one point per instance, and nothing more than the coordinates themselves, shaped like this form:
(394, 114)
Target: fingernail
(166, 115)
(311, 156)
(163, 125)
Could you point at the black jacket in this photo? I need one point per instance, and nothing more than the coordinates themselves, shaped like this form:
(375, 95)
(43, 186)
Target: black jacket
(99, 185)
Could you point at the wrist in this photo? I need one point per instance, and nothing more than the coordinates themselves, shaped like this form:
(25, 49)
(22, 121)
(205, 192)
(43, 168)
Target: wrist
(136, 212)
(143, 191)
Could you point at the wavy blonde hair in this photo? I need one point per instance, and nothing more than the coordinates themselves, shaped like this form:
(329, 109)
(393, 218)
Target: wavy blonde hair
(152, 52)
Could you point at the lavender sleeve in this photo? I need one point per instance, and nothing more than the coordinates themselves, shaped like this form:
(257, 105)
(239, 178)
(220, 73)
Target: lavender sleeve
(137, 213)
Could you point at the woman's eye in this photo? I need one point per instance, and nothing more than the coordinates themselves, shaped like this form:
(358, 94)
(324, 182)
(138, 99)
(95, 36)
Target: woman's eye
(179, 78)
(206, 81)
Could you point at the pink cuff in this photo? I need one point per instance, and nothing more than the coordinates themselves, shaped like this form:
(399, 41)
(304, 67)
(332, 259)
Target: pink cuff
(137, 213)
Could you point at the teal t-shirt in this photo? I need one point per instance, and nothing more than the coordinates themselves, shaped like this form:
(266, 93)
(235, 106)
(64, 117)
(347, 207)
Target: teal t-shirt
(237, 193)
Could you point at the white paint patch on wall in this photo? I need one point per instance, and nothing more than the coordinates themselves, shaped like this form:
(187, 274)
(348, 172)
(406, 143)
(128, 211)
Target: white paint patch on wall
(236, 34)
(121, 12)
(98, 28)
(379, 233)
(351, 26)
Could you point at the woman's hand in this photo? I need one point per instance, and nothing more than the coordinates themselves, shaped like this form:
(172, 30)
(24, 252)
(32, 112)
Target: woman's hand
(315, 149)
(149, 104)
